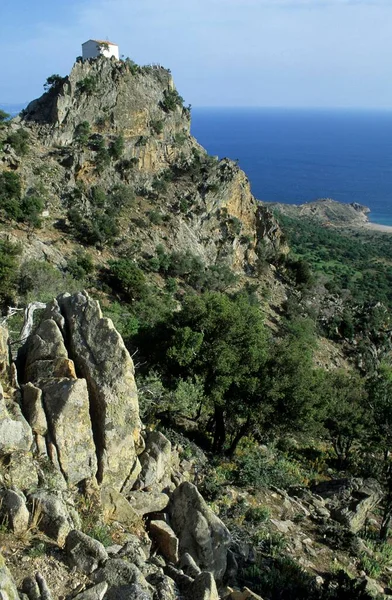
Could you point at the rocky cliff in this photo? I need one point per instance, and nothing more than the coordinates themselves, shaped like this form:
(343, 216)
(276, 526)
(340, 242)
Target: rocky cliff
(115, 126)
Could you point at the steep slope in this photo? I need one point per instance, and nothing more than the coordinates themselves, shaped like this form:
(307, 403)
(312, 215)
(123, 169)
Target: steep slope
(123, 129)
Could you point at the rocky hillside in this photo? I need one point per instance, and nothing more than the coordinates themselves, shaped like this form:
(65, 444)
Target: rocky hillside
(111, 145)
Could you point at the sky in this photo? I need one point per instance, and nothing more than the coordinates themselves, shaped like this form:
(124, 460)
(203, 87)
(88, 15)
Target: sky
(282, 53)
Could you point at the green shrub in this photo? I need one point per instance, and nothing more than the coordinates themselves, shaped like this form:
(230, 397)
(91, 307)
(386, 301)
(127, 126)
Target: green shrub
(262, 469)
(42, 281)
(82, 133)
(10, 194)
(4, 116)
(19, 140)
(80, 265)
(8, 270)
(31, 209)
(53, 82)
(171, 99)
(157, 126)
(116, 148)
(155, 217)
(88, 85)
(127, 278)
(257, 514)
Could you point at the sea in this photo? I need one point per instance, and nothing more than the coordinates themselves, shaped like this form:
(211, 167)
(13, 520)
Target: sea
(300, 155)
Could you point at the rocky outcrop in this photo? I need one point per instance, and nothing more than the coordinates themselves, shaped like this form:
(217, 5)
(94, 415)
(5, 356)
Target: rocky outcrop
(102, 359)
(200, 532)
(67, 408)
(155, 463)
(15, 433)
(350, 501)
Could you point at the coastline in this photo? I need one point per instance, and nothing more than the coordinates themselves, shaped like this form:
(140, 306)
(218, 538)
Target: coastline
(378, 227)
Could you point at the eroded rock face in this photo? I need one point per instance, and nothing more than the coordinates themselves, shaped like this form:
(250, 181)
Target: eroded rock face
(200, 532)
(8, 589)
(67, 408)
(15, 432)
(103, 360)
(155, 463)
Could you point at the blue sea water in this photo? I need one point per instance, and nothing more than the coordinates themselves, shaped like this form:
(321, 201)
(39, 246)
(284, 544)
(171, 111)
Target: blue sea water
(296, 156)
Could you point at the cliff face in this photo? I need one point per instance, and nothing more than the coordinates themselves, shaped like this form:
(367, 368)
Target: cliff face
(111, 123)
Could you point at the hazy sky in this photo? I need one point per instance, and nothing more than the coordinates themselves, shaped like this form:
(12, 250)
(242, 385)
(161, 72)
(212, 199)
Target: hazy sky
(221, 52)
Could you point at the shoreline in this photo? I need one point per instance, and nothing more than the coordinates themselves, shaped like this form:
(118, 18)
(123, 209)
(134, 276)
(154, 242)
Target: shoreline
(377, 227)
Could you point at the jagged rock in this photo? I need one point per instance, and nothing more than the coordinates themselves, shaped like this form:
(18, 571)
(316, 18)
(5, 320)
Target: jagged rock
(246, 594)
(120, 575)
(33, 409)
(15, 432)
(166, 540)
(45, 345)
(283, 526)
(188, 565)
(350, 500)
(4, 351)
(14, 509)
(203, 588)
(201, 533)
(8, 589)
(147, 502)
(155, 463)
(164, 587)
(117, 508)
(134, 552)
(66, 404)
(21, 471)
(52, 311)
(55, 519)
(85, 553)
(97, 592)
(102, 358)
(184, 582)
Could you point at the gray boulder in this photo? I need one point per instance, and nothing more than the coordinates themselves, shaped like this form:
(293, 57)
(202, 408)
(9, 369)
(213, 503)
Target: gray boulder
(8, 589)
(56, 519)
(147, 502)
(97, 592)
(200, 532)
(155, 463)
(203, 588)
(123, 579)
(67, 409)
(103, 360)
(14, 509)
(350, 500)
(166, 540)
(15, 432)
(33, 408)
(85, 553)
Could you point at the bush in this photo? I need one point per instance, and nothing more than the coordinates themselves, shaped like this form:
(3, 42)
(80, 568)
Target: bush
(10, 194)
(82, 133)
(117, 148)
(31, 209)
(19, 140)
(81, 265)
(42, 281)
(262, 469)
(3, 117)
(8, 270)
(88, 85)
(127, 278)
(53, 82)
(171, 99)
(157, 126)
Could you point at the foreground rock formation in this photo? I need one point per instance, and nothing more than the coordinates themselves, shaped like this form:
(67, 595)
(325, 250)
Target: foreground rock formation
(74, 425)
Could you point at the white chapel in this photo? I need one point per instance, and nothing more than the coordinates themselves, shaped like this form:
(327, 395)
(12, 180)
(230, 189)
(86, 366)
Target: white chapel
(96, 48)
